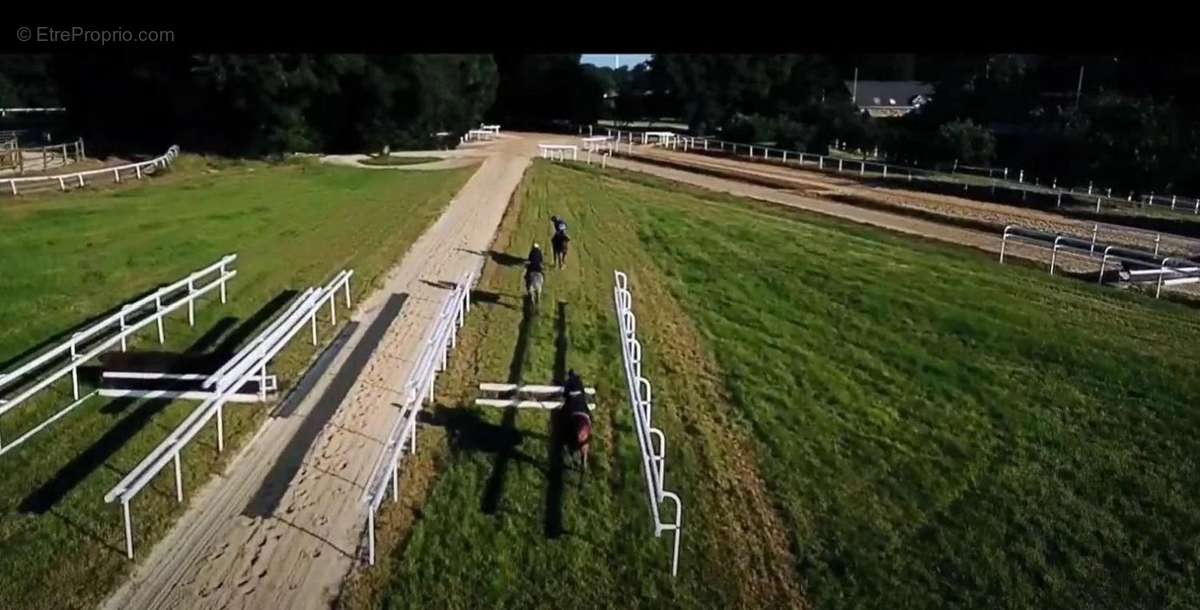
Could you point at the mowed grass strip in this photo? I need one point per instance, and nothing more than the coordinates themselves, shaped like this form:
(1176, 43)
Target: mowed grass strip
(70, 257)
(942, 431)
(490, 517)
(934, 430)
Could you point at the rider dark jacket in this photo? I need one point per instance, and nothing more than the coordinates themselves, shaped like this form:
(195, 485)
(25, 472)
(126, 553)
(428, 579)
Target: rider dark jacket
(535, 260)
(574, 399)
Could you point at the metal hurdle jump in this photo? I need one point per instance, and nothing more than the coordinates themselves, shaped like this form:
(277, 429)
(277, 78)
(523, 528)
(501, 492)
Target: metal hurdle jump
(113, 330)
(220, 387)
(1145, 266)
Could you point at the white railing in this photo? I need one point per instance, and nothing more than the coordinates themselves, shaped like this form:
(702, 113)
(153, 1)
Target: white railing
(76, 179)
(638, 387)
(558, 152)
(1175, 202)
(248, 364)
(107, 333)
(1145, 266)
(415, 391)
(495, 129)
(906, 172)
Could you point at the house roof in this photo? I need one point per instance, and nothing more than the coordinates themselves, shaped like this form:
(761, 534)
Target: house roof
(888, 92)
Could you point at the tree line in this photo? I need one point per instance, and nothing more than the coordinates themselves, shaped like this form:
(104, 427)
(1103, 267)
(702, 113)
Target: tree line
(1131, 119)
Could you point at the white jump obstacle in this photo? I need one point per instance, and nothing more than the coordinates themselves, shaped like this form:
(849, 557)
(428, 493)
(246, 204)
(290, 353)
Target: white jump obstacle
(660, 138)
(638, 387)
(480, 135)
(1145, 266)
(247, 366)
(416, 390)
(547, 397)
(495, 129)
(558, 152)
(66, 357)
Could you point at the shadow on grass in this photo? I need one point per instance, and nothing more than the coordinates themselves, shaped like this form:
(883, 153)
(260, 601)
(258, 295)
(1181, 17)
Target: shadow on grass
(266, 500)
(555, 425)
(491, 298)
(494, 489)
(83, 465)
(443, 284)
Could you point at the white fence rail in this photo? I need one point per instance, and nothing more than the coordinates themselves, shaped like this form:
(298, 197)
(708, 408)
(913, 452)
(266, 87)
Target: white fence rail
(104, 335)
(415, 391)
(1024, 186)
(248, 364)
(1142, 266)
(76, 179)
(558, 152)
(653, 458)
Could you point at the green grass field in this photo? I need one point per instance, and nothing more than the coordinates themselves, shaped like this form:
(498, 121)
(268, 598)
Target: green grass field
(854, 420)
(70, 257)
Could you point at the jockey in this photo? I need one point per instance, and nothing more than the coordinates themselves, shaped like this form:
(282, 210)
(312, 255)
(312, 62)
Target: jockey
(559, 225)
(574, 399)
(534, 261)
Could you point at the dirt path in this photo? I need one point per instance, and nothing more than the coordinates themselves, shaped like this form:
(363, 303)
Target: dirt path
(281, 527)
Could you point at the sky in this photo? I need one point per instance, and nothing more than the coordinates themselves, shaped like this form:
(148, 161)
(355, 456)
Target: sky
(630, 60)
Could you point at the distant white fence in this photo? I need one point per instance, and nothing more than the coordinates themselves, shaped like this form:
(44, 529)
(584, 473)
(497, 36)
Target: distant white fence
(495, 129)
(558, 152)
(415, 391)
(68, 355)
(1049, 191)
(12, 155)
(249, 363)
(479, 135)
(653, 458)
(77, 179)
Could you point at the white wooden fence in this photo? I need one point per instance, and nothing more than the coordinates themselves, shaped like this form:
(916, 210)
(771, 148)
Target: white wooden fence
(1142, 266)
(77, 179)
(653, 457)
(415, 391)
(1025, 186)
(67, 356)
(250, 362)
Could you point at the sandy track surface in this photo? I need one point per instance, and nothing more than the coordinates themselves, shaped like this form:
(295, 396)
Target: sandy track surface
(981, 215)
(282, 526)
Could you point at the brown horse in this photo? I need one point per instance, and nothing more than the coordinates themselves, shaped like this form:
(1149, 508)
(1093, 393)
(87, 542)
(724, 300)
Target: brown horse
(577, 436)
(559, 244)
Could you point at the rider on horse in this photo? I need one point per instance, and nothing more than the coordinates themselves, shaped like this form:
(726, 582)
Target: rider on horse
(533, 263)
(574, 399)
(576, 416)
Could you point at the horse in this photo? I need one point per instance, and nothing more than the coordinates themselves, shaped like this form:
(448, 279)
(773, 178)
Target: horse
(533, 286)
(559, 244)
(575, 430)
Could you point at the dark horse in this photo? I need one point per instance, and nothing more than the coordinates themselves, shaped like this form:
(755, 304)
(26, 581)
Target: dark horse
(574, 421)
(575, 430)
(559, 244)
